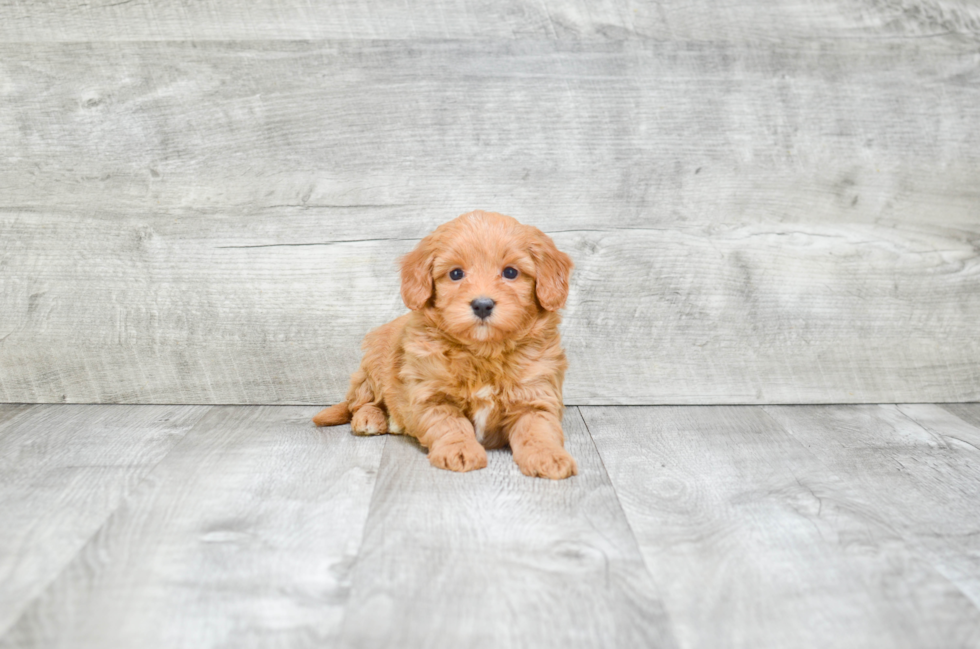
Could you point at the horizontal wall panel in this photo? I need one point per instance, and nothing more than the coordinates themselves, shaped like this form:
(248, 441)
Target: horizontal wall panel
(151, 310)
(570, 135)
(111, 20)
(218, 222)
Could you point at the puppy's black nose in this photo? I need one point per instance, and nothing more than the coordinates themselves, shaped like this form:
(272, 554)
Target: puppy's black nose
(482, 306)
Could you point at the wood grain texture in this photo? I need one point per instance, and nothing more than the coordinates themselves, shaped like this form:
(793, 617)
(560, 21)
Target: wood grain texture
(840, 526)
(63, 471)
(62, 20)
(400, 134)
(757, 544)
(496, 559)
(752, 222)
(9, 411)
(952, 423)
(923, 479)
(243, 536)
(691, 315)
(969, 412)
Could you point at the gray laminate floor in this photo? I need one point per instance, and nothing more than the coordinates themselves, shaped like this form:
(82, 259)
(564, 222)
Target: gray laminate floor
(198, 526)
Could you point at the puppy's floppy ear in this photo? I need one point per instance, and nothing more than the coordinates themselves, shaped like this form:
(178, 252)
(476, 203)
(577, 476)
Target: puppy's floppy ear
(553, 267)
(417, 275)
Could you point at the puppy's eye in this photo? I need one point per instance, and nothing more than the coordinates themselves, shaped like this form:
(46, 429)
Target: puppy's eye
(456, 274)
(510, 272)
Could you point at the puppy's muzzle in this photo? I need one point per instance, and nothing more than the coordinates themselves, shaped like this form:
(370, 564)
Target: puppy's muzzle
(482, 307)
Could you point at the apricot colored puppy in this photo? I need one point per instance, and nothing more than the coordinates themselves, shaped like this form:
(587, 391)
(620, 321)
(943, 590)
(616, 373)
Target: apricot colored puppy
(478, 362)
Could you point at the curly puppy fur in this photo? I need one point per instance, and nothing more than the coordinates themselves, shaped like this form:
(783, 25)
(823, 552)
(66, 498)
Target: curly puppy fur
(457, 377)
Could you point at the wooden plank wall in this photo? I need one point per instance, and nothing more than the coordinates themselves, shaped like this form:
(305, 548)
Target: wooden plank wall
(767, 202)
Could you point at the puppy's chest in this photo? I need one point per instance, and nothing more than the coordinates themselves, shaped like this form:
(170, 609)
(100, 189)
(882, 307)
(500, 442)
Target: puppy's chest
(483, 407)
(487, 394)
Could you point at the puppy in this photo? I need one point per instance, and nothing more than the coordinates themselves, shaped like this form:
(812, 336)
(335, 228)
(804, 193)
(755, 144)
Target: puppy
(478, 362)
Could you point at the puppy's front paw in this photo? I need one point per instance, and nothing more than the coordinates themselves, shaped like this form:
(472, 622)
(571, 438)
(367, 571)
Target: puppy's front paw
(458, 455)
(554, 463)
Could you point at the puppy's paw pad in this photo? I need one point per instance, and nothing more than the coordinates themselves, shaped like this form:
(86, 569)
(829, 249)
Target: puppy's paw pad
(458, 456)
(555, 464)
(369, 420)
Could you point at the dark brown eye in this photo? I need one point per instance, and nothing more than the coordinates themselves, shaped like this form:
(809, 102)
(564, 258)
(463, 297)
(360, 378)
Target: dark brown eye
(510, 272)
(456, 274)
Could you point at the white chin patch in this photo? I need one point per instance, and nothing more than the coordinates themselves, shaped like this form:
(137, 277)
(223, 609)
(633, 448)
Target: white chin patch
(481, 332)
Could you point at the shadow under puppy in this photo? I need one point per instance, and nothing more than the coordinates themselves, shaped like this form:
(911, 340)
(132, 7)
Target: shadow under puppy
(478, 362)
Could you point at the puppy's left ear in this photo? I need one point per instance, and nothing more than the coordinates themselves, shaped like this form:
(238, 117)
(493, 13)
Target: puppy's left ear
(417, 275)
(553, 268)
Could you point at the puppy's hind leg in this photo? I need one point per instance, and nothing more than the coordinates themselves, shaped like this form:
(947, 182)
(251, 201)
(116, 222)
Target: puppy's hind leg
(369, 417)
(369, 420)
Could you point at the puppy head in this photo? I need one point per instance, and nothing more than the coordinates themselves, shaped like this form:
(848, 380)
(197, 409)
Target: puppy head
(484, 276)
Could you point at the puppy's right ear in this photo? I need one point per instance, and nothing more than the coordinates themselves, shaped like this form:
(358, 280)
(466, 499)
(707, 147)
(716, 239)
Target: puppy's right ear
(554, 268)
(417, 276)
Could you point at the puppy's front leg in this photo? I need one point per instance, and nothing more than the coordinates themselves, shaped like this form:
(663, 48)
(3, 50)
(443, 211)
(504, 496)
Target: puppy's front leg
(450, 439)
(536, 440)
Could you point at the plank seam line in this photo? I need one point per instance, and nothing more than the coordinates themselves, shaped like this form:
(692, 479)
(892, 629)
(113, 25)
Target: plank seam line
(88, 540)
(619, 502)
(587, 39)
(343, 241)
(937, 433)
(357, 561)
(318, 243)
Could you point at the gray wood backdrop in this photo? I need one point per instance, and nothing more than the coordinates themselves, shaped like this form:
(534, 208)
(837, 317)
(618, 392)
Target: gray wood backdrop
(767, 202)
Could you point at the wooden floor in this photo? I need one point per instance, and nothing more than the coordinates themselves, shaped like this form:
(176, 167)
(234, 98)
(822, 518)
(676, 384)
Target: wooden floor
(715, 526)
